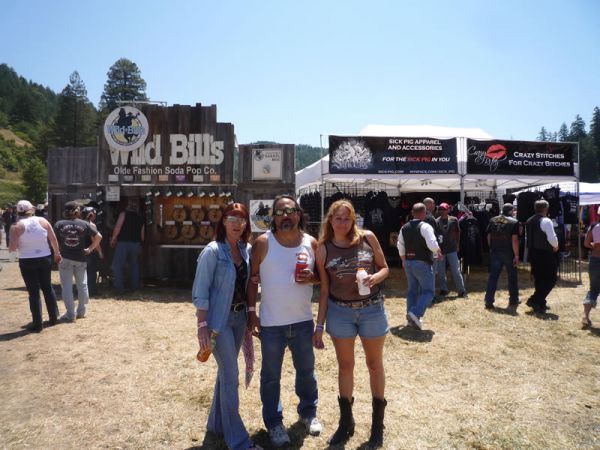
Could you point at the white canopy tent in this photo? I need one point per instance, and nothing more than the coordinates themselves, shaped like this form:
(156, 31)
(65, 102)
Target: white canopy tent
(589, 193)
(318, 172)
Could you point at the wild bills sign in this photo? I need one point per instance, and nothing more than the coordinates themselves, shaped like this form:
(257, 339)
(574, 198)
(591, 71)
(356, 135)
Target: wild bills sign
(520, 158)
(159, 145)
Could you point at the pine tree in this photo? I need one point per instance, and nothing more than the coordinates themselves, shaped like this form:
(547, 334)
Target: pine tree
(595, 127)
(577, 131)
(124, 83)
(75, 121)
(563, 133)
(543, 135)
(35, 178)
(595, 136)
(588, 161)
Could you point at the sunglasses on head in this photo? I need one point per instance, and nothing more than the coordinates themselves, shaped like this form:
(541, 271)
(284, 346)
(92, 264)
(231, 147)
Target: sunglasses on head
(235, 220)
(282, 211)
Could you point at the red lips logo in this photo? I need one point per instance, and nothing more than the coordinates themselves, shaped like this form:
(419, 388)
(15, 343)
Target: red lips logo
(496, 151)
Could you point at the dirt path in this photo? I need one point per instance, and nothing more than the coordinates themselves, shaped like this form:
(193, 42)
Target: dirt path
(125, 376)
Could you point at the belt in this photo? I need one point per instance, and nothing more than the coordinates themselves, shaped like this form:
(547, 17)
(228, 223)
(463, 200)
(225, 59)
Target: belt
(236, 307)
(358, 304)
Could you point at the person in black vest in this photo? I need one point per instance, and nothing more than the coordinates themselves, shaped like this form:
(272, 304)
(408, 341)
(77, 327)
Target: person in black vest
(430, 219)
(503, 239)
(448, 233)
(127, 238)
(542, 245)
(417, 246)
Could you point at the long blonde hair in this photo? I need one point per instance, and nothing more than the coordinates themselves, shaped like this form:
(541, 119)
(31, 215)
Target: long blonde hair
(326, 233)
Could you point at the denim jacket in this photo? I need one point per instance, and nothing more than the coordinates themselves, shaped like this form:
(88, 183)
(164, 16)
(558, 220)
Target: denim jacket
(214, 282)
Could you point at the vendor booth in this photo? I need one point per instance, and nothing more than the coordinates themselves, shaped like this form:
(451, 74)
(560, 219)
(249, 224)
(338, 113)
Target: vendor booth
(453, 165)
(176, 165)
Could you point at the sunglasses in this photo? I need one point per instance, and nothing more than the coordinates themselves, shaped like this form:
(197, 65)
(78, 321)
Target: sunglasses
(236, 220)
(281, 212)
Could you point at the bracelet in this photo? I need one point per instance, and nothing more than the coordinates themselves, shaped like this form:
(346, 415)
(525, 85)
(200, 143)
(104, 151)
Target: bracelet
(319, 327)
(251, 308)
(202, 324)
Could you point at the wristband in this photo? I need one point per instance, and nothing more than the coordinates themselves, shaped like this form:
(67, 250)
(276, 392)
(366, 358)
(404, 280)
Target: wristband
(319, 327)
(251, 308)
(202, 324)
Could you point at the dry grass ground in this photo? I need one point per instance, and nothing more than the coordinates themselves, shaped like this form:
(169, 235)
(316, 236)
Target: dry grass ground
(126, 376)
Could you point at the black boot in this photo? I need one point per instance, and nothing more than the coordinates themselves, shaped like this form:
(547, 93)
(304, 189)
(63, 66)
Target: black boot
(376, 439)
(346, 425)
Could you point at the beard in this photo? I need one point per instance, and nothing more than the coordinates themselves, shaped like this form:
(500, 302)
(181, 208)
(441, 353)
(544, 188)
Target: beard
(287, 225)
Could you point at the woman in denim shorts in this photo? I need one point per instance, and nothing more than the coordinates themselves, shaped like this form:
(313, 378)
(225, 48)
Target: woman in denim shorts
(341, 251)
(592, 241)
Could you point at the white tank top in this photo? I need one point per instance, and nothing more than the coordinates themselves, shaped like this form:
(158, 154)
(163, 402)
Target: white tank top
(33, 243)
(283, 301)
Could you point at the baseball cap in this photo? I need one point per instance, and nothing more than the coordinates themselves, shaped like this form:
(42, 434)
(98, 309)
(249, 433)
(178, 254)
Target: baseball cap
(23, 206)
(445, 206)
(87, 210)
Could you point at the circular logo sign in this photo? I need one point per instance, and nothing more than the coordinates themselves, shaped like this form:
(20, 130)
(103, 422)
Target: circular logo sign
(126, 128)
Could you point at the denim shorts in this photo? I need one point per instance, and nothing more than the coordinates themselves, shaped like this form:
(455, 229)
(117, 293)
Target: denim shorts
(368, 322)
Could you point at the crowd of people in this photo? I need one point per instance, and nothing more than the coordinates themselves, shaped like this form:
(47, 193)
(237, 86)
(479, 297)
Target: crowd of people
(286, 261)
(73, 244)
(347, 263)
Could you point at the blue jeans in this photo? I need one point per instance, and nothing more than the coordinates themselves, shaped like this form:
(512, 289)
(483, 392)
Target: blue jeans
(68, 268)
(497, 261)
(594, 270)
(454, 264)
(36, 274)
(224, 417)
(126, 254)
(273, 341)
(421, 279)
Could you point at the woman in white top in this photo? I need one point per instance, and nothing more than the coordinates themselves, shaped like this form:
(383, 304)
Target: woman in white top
(30, 236)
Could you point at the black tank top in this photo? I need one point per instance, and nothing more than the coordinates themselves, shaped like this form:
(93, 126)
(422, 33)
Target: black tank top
(341, 265)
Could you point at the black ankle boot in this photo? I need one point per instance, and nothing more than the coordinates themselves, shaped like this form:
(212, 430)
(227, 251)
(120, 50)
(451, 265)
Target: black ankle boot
(346, 424)
(376, 439)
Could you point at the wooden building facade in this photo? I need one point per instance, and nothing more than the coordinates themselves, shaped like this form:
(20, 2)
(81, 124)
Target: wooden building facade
(181, 175)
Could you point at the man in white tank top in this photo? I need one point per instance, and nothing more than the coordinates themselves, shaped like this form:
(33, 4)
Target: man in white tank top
(284, 258)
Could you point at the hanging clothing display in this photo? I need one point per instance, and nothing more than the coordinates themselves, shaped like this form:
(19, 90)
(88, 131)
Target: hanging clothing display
(470, 241)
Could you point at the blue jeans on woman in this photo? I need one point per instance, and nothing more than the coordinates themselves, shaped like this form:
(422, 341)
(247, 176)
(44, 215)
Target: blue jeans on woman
(594, 270)
(497, 261)
(273, 341)
(224, 417)
(421, 282)
(68, 269)
(36, 275)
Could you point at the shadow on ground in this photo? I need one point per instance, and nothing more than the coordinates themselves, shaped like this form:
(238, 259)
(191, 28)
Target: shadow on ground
(412, 334)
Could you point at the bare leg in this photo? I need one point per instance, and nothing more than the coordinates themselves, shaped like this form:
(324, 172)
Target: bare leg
(374, 357)
(344, 350)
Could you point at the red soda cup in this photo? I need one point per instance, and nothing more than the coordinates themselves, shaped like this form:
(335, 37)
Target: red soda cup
(301, 264)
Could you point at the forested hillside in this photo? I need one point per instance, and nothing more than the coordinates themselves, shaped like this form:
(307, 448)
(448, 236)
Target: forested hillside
(33, 118)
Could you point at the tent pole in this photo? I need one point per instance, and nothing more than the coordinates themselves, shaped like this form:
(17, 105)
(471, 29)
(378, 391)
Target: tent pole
(579, 210)
(322, 181)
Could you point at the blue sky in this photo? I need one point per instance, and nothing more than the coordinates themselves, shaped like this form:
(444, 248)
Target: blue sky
(290, 71)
